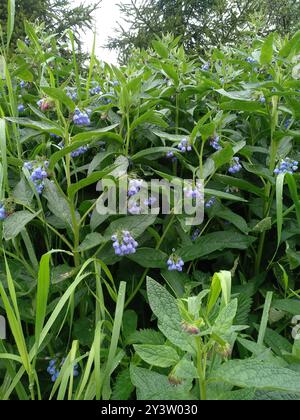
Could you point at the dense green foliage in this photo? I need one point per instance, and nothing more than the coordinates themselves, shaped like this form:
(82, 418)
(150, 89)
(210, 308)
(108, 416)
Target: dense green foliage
(202, 24)
(86, 323)
(57, 16)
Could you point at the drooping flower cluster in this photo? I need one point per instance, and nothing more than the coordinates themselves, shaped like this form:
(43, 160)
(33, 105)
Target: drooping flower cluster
(262, 100)
(45, 104)
(215, 143)
(55, 136)
(235, 166)
(21, 108)
(38, 173)
(96, 90)
(134, 187)
(3, 213)
(211, 202)
(72, 94)
(287, 123)
(134, 208)
(175, 263)
(124, 243)
(206, 66)
(54, 369)
(287, 166)
(195, 234)
(250, 60)
(184, 146)
(80, 151)
(22, 84)
(81, 118)
(193, 192)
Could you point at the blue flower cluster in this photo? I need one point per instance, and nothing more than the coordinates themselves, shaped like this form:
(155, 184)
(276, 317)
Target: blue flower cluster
(235, 166)
(193, 193)
(124, 243)
(250, 60)
(3, 214)
(184, 146)
(54, 369)
(55, 136)
(215, 143)
(206, 66)
(22, 84)
(21, 108)
(196, 234)
(262, 100)
(38, 172)
(287, 123)
(211, 202)
(287, 166)
(175, 263)
(80, 151)
(81, 118)
(71, 93)
(134, 187)
(96, 90)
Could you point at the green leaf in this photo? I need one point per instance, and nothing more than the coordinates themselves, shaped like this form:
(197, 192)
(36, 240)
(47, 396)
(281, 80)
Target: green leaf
(171, 72)
(291, 306)
(217, 241)
(100, 133)
(160, 48)
(57, 203)
(294, 194)
(259, 375)
(146, 336)
(154, 152)
(10, 20)
(59, 95)
(263, 226)
(22, 193)
(267, 50)
(149, 258)
(42, 126)
(123, 387)
(15, 223)
(161, 356)
(91, 241)
(291, 47)
(164, 306)
(235, 219)
(136, 225)
(153, 386)
(220, 282)
(149, 117)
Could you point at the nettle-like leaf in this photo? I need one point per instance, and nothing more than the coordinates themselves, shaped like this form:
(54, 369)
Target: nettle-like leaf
(15, 223)
(160, 355)
(153, 386)
(259, 375)
(164, 306)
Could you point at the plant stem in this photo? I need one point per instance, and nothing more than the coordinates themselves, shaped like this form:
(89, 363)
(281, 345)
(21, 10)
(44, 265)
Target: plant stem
(200, 369)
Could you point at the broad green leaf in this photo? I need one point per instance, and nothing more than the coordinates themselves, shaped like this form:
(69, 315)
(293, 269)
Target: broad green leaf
(42, 126)
(136, 225)
(91, 241)
(161, 355)
(57, 203)
(164, 306)
(217, 241)
(160, 48)
(267, 50)
(15, 223)
(59, 95)
(256, 374)
(152, 386)
(149, 258)
(10, 20)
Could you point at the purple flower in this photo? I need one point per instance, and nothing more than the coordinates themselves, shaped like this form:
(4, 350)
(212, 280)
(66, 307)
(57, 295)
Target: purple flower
(80, 151)
(193, 192)
(71, 93)
(22, 84)
(96, 90)
(3, 214)
(134, 187)
(124, 243)
(215, 143)
(235, 166)
(80, 118)
(211, 202)
(21, 108)
(175, 263)
(287, 166)
(184, 146)
(38, 173)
